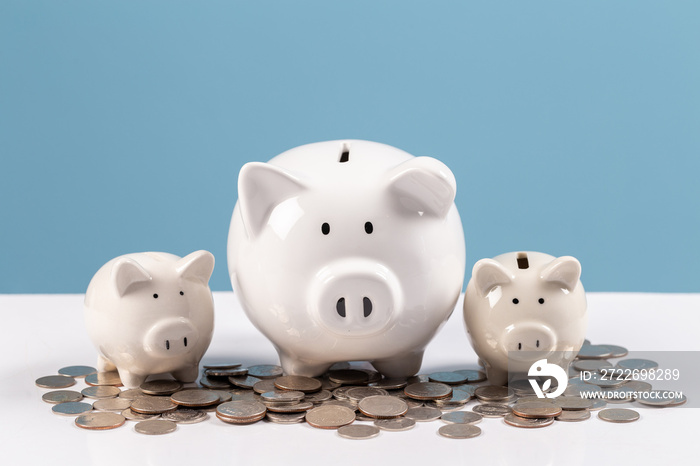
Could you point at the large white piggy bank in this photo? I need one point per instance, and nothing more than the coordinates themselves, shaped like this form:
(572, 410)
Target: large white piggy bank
(347, 251)
(151, 313)
(521, 307)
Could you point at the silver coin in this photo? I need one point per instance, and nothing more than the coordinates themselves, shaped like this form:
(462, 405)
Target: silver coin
(160, 387)
(132, 394)
(396, 424)
(348, 376)
(605, 381)
(299, 383)
(295, 407)
(621, 394)
(345, 403)
(449, 378)
(618, 415)
(470, 389)
(282, 396)
(286, 418)
(77, 371)
(517, 421)
(356, 394)
(231, 420)
(61, 396)
(241, 410)
(417, 379)
(598, 404)
(494, 393)
(341, 393)
(636, 364)
(318, 397)
(638, 386)
(239, 394)
(472, 376)
(115, 405)
(264, 386)
(594, 352)
(194, 397)
(462, 417)
(586, 341)
(536, 409)
(134, 416)
(444, 407)
(521, 387)
(215, 384)
(244, 381)
(617, 351)
(55, 381)
(458, 397)
(591, 365)
(656, 398)
(104, 378)
(221, 366)
(525, 399)
(265, 371)
(100, 391)
(390, 384)
(232, 372)
(492, 409)
(71, 408)
(572, 403)
(423, 414)
(100, 421)
(155, 427)
(153, 405)
(330, 416)
(186, 416)
(223, 395)
(382, 406)
(428, 391)
(459, 431)
(574, 416)
(358, 431)
(578, 390)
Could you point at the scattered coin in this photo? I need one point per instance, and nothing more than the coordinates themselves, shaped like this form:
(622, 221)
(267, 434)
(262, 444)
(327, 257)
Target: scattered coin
(656, 398)
(598, 404)
(492, 409)
(330, 417)
(318, 397)
(571, 403)
(115, 405)
(100, 391)
(295, 407)
(578, 390)
(594, 352)
(185, 416)
(153, 405)
(459, 431)
(61, 396)
(592, 365)
(264, 386)
(244, 381)
(525, 399)
(636, 364)
(265, 371)
(104, 378)
(77, 371)
(298, 382)
(221, 366)
(574, 416)
(100, 421)
(517, 421)
(195, 397)
(71, 408)
(390, 384)
(349, 377)
(241, 412)
(449, 378)
(423, 414)
(617, 351)
(605, 382)
(346, 403)
(396, 424)
(618, 415)
(428, 391)
(358, 431)
(536, 409)
(491, 393)
(462, 417)
(224, 395)
(55, 381)
(382, 406)
(638, 386)
(215, 384)
(160, 387)
(134, 416)
(232, 372)
(283, 396)
(472, 376)
(132, 394)
(286, 418)
(155, 427)
(356, 394)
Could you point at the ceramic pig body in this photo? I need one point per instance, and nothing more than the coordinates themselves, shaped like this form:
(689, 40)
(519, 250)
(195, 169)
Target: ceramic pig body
(528, 305)
(151, 313)
(347, 251)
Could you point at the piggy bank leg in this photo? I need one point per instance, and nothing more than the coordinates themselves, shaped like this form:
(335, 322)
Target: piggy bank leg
(188, 374)
(402, 366)
(294, 366)
(105, 365)
(496, 376)
(131, 380)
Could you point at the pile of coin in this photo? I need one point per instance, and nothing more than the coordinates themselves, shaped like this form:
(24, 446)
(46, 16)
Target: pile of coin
(344, 398)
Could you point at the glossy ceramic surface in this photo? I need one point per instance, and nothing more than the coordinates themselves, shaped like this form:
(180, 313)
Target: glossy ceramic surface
(151, 313)
(347, 250)
(528, 305)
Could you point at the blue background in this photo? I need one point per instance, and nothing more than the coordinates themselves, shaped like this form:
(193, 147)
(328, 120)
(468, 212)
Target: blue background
(572, 127)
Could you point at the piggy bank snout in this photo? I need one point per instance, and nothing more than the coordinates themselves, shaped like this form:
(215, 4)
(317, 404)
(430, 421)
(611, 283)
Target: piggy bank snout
(355, 297)
(526, 337)
(171, 337)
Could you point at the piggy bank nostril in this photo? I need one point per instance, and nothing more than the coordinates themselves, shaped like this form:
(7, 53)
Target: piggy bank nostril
(340, 307)
(520, 346)
(367, 306)
(538, 343)
(186, 342)
(167, 344)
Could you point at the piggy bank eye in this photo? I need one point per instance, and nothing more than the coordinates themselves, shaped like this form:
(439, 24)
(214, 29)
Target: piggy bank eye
(541, 300)
(516, 300)
(369, 228)
(182, 293)
(325, 228)
(155, 295)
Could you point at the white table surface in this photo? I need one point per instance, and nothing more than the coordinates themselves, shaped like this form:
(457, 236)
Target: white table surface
(42, 333)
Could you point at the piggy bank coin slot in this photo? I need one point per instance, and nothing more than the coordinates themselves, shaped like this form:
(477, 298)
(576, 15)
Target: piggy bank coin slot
(523, 263)
(344, 154)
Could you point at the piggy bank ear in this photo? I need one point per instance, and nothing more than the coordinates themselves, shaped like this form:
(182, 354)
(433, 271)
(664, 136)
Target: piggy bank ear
(564, 271)
(127, 274)
(198, 266)
(488, 274)
(261, 187)
(423, 185)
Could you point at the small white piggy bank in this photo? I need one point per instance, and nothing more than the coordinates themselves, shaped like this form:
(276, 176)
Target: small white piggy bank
(347, 251)
(151, 313)
(525, 306)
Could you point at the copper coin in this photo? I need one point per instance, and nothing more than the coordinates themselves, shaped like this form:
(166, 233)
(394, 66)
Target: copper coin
(298, 382)
(153, 405)
(100, 421)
